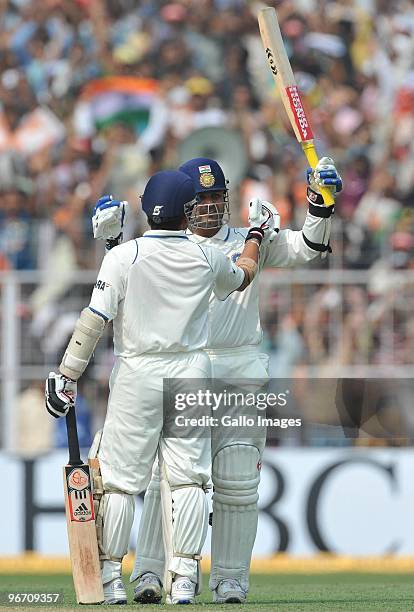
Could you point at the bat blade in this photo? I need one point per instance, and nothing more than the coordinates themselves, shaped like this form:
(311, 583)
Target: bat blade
(285, 81)
(83, 545)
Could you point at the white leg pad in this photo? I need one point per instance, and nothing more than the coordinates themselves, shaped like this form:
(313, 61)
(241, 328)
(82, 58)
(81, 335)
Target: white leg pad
(185, 522)
(93, 451)
(236, 478)
(150, 547)
(118, 516)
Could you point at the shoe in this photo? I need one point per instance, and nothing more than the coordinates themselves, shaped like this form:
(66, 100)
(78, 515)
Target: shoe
(148, 589)
(182, 592)
(114, 593)
(229, 591)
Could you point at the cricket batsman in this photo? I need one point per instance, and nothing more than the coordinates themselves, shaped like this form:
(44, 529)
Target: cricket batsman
(155, 336)
(233, 349)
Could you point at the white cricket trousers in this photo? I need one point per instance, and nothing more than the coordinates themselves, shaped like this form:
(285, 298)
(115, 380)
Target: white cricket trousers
(134, 421)
(130, 441)
(236, 465)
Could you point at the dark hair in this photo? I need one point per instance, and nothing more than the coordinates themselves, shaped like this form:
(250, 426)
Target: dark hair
(171, 224)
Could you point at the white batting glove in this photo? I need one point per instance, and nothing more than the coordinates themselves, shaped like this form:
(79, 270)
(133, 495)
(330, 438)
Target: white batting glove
(60, 394)
(264, 215)
(108, 218)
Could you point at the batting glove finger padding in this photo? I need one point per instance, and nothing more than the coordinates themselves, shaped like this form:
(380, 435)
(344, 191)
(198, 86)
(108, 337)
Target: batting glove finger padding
(103, 202)
(60, 394)
(325, 175)
(108, 218)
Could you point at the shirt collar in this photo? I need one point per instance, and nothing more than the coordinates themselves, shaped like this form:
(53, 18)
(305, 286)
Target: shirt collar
(222, 234)
(165, 233)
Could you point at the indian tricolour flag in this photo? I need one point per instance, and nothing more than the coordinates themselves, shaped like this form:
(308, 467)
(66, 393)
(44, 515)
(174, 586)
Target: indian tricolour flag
(120, 98)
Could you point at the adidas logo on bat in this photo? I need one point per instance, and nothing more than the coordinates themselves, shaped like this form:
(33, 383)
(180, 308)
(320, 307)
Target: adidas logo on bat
(81, 494)
(82, 510)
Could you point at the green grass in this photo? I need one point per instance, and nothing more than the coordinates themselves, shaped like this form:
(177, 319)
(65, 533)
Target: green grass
(296, 592)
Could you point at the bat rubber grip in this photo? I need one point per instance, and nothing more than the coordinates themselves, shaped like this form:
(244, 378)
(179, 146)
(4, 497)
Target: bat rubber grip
(73, 442)
(312, 157)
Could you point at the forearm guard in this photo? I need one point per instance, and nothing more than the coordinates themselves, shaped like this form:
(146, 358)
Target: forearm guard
(88, 329)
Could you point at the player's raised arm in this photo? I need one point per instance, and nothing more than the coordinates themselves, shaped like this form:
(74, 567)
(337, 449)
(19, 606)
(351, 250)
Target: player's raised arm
(262, 229)
(237, 276)
(295, 247)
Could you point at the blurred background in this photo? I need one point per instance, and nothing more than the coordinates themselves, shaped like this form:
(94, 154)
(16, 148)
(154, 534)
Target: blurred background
(96, 95)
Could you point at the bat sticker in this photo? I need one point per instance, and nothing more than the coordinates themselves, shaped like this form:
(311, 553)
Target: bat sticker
(79, 494)
(272, 64)
(299, 112)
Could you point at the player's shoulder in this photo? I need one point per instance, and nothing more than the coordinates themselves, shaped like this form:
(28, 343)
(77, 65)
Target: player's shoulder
(210, 254)
(202, 249)
(126, 252)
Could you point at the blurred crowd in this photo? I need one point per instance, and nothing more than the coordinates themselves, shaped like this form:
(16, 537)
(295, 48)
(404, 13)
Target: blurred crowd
(96, 95)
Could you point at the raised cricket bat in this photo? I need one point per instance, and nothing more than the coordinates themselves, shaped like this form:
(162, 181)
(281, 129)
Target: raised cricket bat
(80, 516)
(286, 84)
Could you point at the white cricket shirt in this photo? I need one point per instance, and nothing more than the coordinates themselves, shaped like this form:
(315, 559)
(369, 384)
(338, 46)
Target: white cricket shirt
(236, 321)
(157, 289)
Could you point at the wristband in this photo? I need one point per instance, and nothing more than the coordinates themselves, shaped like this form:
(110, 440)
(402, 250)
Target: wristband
(255, 233)
(110, 244)
(317, 207)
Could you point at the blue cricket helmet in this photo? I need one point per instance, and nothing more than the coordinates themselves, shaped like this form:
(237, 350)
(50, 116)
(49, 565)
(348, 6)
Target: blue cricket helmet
(207, 177)
(166, 195)
(206, 174)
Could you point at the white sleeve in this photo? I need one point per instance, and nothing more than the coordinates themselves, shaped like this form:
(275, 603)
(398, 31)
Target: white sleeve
(109, 288)
(291, 247)
(228, 277)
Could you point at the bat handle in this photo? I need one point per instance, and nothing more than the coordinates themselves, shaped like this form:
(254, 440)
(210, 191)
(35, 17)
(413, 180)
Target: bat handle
(312, 157)
(73, 441)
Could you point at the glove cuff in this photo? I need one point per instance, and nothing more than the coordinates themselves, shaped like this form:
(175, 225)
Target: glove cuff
(317, 206)
(255, 233)
(110, 244)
